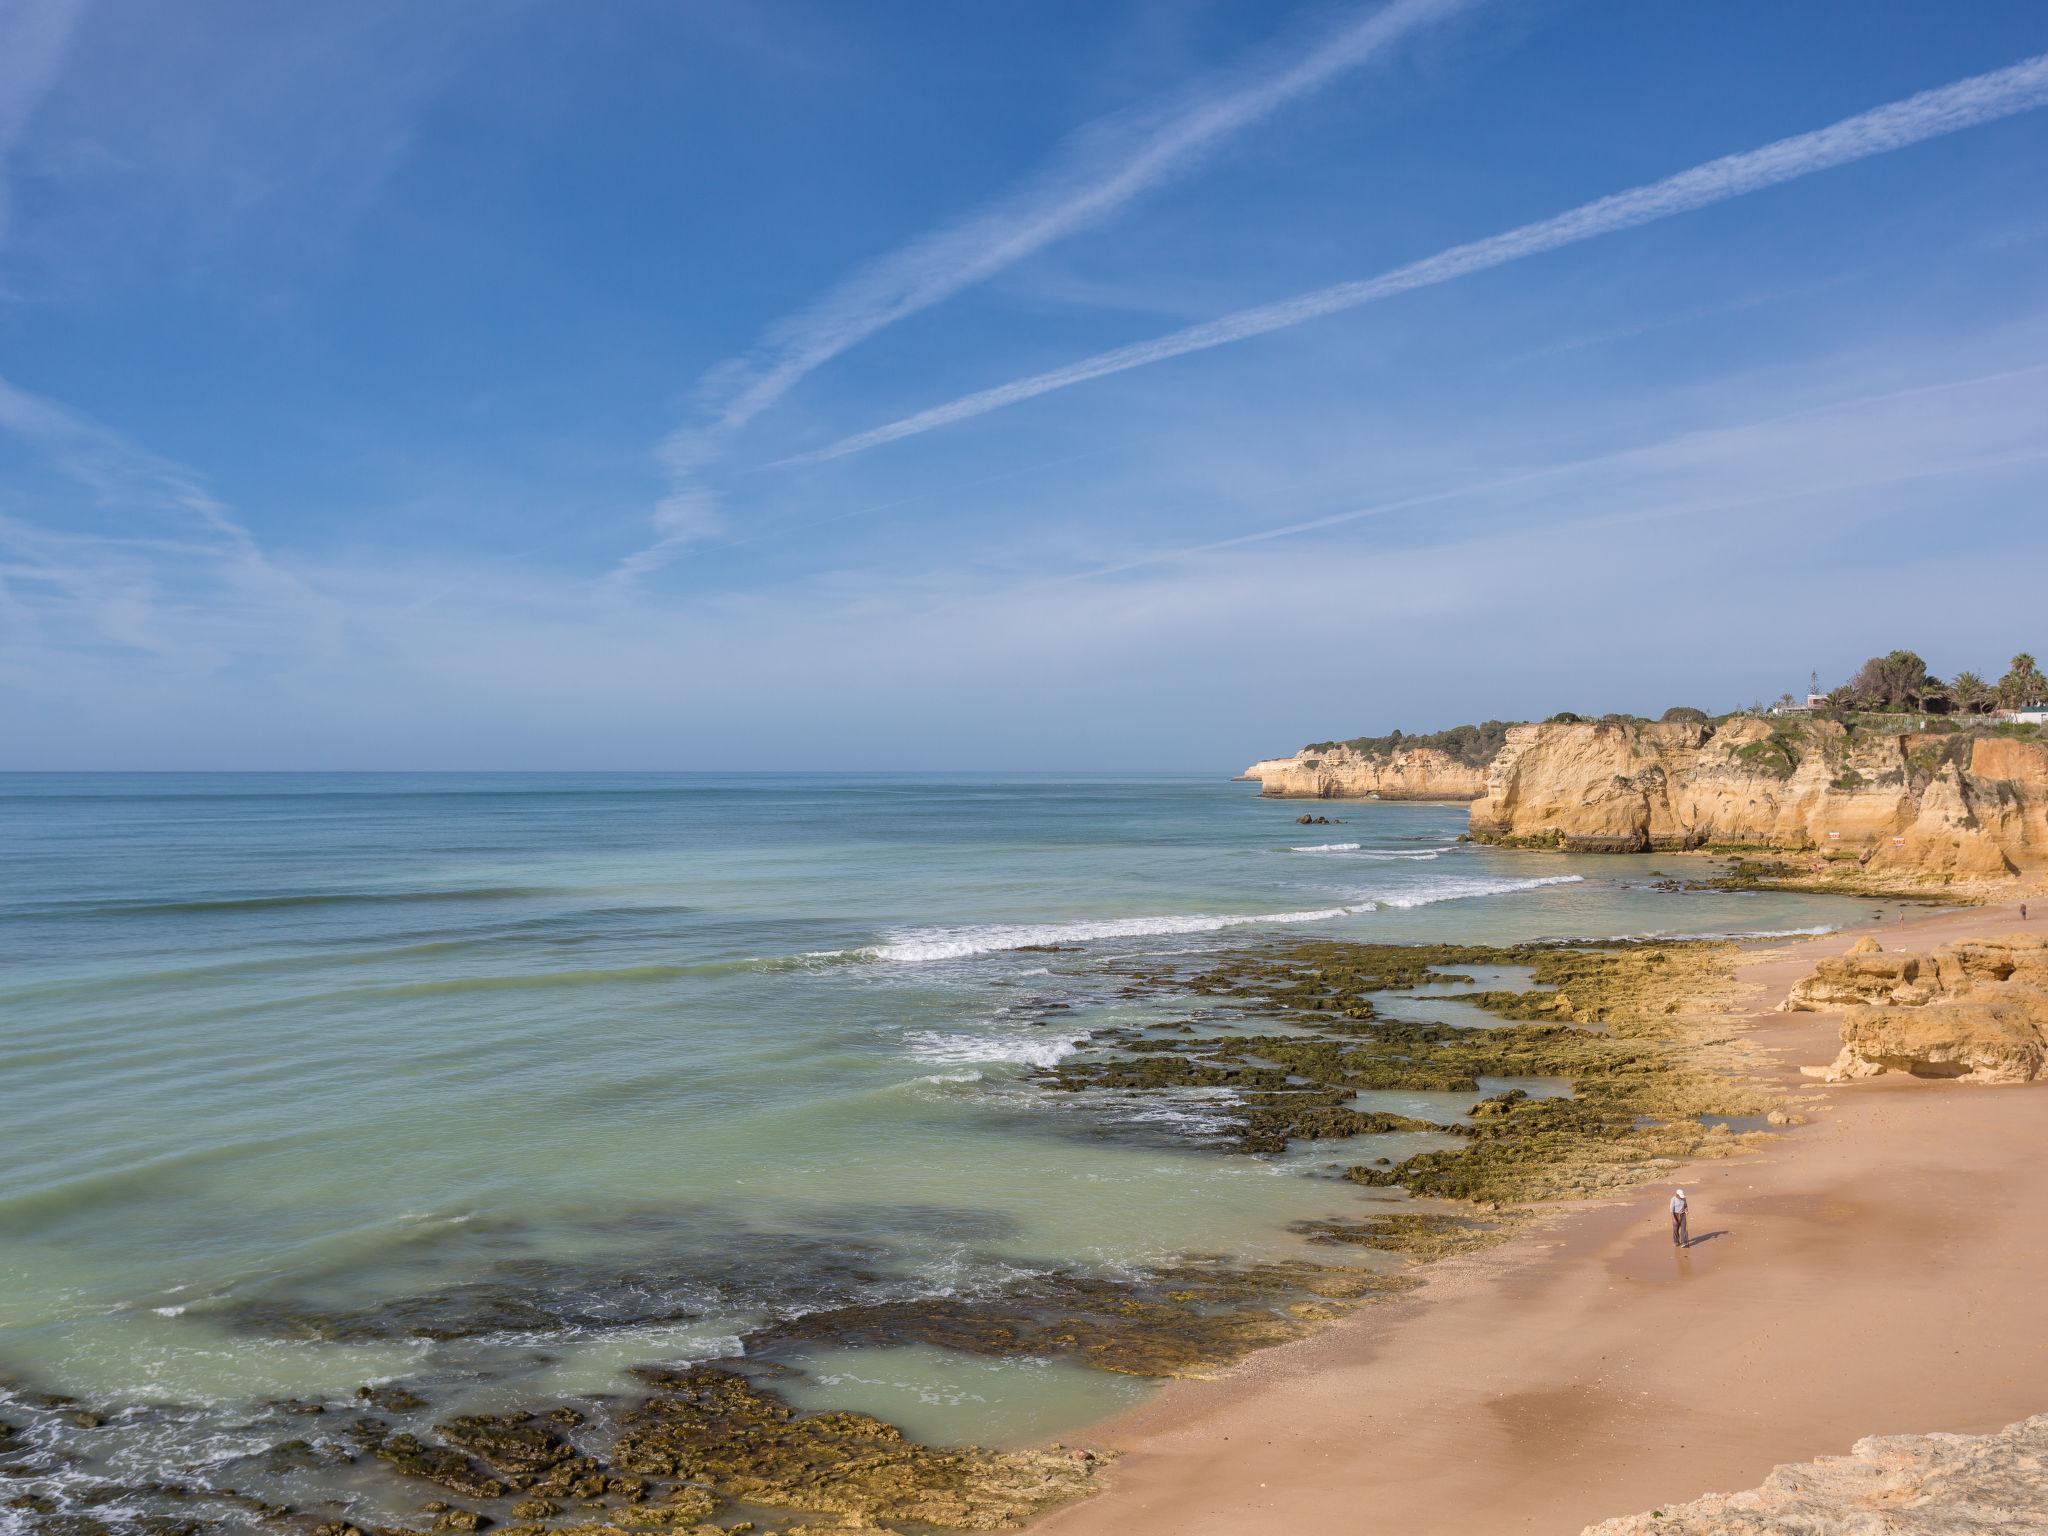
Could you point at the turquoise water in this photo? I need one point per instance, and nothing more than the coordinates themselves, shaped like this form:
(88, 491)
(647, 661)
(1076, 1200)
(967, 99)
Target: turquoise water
(577, 1072)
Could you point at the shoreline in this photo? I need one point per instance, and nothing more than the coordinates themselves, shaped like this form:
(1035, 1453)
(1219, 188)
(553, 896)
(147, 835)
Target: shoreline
(1872, 1274)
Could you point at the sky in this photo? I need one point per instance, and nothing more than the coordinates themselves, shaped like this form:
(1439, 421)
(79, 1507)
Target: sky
(1121, 385)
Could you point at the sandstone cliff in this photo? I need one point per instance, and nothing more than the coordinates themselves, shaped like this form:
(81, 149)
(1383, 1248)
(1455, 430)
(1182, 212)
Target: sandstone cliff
(1342, 772)
(1888, 1485)
(1975, 1010)
(1963, 805)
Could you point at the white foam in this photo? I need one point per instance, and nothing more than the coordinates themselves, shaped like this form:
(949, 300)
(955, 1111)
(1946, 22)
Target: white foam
(917, 945)
(1461, 890)
(1741, 933)
(914, 945)
(1418, 855)
(1019, 1050)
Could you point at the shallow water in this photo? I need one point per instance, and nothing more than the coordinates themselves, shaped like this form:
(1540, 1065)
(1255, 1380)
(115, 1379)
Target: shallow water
(596, 1070)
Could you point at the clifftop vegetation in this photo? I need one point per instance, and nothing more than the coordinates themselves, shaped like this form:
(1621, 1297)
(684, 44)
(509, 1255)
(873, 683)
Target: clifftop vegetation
(1884, 689)
(1473, 745)
(1899, 682)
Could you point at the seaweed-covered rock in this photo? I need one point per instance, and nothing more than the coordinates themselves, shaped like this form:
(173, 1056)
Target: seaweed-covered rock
(413, 1457)
(521, 1444)
(716, 1428)
(1421, 1235)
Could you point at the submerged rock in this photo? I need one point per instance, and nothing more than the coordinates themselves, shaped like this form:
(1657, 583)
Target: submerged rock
(1187, 1319)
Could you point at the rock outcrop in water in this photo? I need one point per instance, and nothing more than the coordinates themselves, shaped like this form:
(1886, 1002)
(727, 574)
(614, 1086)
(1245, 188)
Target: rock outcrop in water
(1888, 1485)
(1976, 1010)
(1964, 805)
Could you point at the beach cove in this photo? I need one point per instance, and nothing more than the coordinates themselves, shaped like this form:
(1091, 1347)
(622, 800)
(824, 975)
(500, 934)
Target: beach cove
(957, 1103)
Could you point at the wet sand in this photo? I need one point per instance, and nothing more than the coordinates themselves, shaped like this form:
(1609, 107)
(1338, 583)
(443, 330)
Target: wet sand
(1881, 1270)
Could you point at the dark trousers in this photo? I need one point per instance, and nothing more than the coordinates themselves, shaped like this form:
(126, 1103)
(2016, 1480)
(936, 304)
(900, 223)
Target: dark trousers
(1679, 1234)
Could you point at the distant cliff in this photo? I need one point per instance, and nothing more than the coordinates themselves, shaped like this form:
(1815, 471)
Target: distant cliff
(1971, 803)
(1450, 765)
(1339, 773)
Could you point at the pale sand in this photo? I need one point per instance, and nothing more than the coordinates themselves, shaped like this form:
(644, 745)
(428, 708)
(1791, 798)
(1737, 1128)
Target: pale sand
(1885, 1269)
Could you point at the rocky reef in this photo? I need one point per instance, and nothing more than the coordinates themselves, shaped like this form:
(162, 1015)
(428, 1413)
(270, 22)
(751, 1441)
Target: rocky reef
(1633, 1028)
(1888, 1485)
(1976, 1011)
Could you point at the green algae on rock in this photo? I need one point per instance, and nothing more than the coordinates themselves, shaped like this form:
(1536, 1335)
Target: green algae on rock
(717, 1430)
(1631, 1024)
(1419, 1235)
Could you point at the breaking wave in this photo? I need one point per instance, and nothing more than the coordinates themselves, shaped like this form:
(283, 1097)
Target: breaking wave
(1742, 933)
(962, 1050)
(917, 945)
(920, 944)
(1459, 890)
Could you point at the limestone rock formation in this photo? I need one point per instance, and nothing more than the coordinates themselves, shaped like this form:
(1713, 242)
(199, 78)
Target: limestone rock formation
(1888, 1485)
(1975, 1010)
(1341, 773)
(1963, 807)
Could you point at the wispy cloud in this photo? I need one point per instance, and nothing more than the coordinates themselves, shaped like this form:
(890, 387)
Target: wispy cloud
(1094, 173)
(150, 649)
(33, 35)
(1690, 451)
(176, 575)
(1931, 114)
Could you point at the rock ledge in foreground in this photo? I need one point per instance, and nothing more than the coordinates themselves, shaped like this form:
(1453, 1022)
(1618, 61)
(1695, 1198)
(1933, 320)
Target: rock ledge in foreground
(1975, 1010)
(1888, 1485)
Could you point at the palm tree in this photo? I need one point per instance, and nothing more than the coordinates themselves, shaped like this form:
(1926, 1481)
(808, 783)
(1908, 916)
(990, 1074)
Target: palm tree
(1973, 694)
(2023, 687)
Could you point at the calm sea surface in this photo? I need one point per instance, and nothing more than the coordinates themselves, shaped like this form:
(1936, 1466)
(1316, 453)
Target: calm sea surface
(592, 1070)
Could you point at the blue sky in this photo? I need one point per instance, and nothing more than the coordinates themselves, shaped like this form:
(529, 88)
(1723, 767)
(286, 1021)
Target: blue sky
(650, 385)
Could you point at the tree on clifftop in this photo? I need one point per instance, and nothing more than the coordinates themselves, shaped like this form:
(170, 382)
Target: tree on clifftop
(2023, 687)
(1893, 681)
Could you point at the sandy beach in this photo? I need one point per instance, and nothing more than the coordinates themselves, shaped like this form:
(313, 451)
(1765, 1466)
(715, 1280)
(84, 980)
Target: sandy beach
(1879, 1270)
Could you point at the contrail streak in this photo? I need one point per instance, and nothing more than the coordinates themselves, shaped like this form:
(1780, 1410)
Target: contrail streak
(1088, 178)
(1949, 109)
(1100, 169)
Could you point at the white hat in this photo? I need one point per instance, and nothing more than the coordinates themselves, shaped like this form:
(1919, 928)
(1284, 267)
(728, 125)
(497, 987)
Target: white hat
(1681, 1191)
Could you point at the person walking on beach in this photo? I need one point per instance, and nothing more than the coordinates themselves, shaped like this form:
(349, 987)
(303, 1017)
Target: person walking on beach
(1680, 1236)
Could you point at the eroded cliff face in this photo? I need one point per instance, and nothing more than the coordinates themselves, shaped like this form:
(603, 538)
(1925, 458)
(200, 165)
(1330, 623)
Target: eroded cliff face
(1339, 773)
(1921, 806)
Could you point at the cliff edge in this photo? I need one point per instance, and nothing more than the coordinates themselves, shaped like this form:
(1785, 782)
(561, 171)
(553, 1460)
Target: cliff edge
(1960, 805)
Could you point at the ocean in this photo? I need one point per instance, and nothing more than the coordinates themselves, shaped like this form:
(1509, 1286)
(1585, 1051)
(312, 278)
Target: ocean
(498, 1085)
